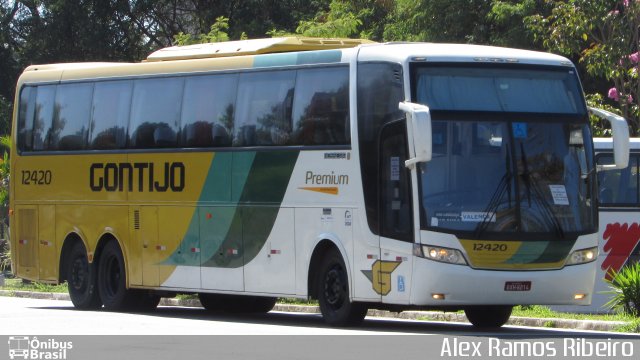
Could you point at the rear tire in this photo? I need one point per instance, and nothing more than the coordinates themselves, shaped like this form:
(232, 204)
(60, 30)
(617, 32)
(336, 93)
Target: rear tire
(112, 283)
(333, 293)
(81, 279)
(488, 316)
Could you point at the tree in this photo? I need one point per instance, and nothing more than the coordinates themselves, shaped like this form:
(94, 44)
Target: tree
(496, 22)
(604, 36)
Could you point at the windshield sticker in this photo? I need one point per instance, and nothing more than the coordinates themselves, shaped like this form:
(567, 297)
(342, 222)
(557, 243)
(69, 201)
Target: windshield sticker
(448, 217)
(519, 130)
(434, 221)
(395, 168)
(559, 194)
(476, 216)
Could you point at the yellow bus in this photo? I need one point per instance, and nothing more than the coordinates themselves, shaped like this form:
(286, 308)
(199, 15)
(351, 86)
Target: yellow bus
(393, 176)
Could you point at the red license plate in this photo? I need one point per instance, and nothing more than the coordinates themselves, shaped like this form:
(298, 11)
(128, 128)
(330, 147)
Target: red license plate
(517, 286)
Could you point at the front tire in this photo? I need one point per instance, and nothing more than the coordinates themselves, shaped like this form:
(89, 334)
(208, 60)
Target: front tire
(333, 293)
(112, 284)
(81, 279)
(488, 316)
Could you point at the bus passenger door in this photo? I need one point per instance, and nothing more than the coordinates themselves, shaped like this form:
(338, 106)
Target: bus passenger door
(395, 214)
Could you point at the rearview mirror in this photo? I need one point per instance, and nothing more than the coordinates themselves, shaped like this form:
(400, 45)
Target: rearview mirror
(418, 132)
(620, 134)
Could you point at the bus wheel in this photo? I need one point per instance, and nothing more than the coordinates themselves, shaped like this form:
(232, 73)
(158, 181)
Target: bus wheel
(112, 280)
(81, 279)
(488, 316)
(333, 293)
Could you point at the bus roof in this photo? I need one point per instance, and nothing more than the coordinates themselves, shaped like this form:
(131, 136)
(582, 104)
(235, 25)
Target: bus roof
(433, 52)
(274, 52)
(252, 47)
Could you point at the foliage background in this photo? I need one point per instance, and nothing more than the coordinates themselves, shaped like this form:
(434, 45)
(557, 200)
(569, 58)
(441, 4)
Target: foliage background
(600, 36)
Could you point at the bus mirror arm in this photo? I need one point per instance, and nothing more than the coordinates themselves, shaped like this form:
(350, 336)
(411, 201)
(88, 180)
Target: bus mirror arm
(418, 131)
(620, 134)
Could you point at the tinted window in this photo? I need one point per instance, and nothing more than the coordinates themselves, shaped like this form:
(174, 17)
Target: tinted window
(263, 116)
(155, 113)
(110, 114)
(380, 90)
(321, 107)
(71, 117)
(498, 89)
(619, 187)
(207, 111)
(25, 118)
(42, 129)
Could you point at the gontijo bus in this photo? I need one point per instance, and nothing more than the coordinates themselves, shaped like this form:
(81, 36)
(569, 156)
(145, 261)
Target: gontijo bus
(394, 176)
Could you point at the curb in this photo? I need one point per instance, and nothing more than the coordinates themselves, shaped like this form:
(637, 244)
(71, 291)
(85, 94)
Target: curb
(596, 325)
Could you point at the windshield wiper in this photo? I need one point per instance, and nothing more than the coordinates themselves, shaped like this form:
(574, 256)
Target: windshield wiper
(531, 183)
(503, 186)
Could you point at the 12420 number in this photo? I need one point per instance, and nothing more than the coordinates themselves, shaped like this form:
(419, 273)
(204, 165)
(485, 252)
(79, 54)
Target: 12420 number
(489, 247)
(36, 177)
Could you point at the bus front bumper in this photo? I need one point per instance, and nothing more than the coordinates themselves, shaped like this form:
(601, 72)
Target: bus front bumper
(442, 284)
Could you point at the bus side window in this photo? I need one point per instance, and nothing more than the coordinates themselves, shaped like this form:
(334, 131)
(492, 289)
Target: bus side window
(42, 130)
(26, 115)
(618, 187)
(321, 107)
(71, 117)
(207, 111)
(395, 189)
(155, 113)
(110, 114)
(263, 108)
(380, 89)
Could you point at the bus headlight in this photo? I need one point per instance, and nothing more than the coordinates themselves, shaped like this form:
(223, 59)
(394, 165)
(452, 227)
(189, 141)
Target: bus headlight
(583, 256)
(441, 254)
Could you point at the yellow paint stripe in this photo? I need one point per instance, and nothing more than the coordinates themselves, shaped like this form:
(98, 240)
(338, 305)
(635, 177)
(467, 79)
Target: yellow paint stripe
(330, 190)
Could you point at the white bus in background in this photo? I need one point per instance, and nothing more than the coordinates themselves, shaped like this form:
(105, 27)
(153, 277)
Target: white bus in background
(619, 230)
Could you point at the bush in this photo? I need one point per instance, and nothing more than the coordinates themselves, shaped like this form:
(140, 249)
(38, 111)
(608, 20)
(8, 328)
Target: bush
(625, 288)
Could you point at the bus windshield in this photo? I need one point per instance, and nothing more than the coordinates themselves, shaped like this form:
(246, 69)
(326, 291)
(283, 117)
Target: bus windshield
(520, 163)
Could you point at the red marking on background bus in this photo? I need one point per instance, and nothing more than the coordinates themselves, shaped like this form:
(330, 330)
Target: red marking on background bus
(620, 242)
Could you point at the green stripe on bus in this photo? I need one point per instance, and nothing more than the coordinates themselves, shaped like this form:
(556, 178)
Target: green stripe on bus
(259, 183)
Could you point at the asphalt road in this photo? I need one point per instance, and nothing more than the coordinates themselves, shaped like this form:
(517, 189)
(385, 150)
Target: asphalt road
(54, 319)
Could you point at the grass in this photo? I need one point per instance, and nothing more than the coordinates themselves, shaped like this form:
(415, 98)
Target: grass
(18, 285)
(543, 312)
(295, 301)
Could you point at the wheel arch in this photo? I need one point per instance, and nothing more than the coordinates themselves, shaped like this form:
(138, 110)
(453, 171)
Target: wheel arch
(69, 241)
(104, 239)
(325, 244)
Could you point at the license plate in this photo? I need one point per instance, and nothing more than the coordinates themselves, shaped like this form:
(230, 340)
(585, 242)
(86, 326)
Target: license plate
(517, 286)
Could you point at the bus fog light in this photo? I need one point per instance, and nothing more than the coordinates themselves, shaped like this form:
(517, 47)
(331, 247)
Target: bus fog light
(451, 256)
(579, 296)
(437, 296)
(583, 256)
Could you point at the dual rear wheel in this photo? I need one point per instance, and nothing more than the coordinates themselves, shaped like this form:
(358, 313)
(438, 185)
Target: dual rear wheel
(92, 286)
